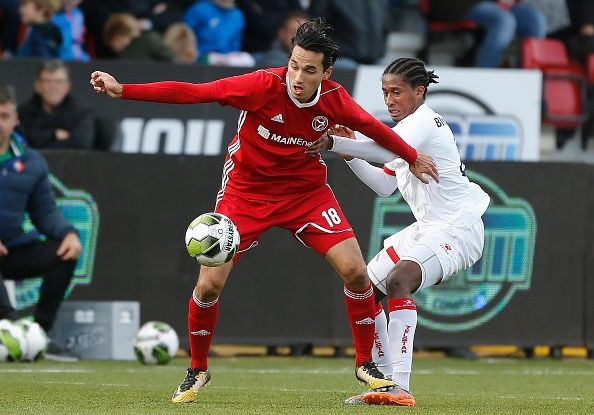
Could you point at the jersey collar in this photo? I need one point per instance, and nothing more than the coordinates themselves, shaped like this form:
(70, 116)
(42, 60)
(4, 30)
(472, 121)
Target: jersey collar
(302, 104)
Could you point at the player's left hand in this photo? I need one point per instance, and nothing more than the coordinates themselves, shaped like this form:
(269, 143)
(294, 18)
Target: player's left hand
(424, 165)
(70, 248)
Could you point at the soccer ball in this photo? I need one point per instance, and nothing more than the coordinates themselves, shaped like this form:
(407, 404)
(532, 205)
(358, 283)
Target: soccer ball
(13, 345)
(156, 343)
(212, 239)
(36, 340)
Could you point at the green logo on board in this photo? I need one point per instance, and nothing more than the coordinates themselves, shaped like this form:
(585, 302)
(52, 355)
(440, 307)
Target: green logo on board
(79, 208)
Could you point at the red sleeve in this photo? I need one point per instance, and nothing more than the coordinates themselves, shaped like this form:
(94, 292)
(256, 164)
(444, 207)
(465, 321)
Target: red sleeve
(244, 92)
(356, 118)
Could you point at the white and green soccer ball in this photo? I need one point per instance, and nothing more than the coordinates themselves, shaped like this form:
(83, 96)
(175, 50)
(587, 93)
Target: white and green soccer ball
(36, 340)
(156, 343)
(212, 239)
(13, 344)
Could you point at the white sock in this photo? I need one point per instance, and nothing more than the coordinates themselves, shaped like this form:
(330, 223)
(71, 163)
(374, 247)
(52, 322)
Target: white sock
(381, 344)
(401, 330)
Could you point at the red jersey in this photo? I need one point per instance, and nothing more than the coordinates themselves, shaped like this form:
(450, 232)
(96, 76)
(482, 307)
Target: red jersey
(266, 158)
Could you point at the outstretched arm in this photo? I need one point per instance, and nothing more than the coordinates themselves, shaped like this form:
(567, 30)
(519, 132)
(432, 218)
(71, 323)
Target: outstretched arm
(365, 149)
(374, 177)
(245, 92)
(368, 150)
(171, 92)
(107, 84)
(360, 120)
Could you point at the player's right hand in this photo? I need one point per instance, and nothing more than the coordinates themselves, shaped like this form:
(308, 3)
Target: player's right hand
(3, 250)
(104, 82)
(424, 165)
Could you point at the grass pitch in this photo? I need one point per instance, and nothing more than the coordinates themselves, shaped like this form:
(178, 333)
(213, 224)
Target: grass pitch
(304, 386)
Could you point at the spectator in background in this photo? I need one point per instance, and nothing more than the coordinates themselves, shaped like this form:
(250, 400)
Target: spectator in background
(71, 22)
(581, 45)
(556, 13)
(10, 20)
(127, 41)
(181, 40)
(263, 19)
(360, 28)
(52, 118)
(580, 40)
(43, 38)
(155, 15)
(281, 49)
(500, 19)
(218, 25)
(24, 255)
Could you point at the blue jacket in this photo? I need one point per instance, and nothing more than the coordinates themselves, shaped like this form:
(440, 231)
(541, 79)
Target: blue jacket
(25, 187)
(217, 29)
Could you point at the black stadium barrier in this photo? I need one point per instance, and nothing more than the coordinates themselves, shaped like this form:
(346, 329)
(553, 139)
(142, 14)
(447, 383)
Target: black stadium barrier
(534, 284)
(144, 127)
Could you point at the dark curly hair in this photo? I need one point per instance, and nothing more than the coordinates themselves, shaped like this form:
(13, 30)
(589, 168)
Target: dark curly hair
(313, 36)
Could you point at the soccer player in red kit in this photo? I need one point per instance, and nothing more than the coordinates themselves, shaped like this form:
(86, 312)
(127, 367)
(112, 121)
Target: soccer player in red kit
(268, 181)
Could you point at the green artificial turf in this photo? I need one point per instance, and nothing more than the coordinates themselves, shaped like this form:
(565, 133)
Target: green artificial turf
(304, 386)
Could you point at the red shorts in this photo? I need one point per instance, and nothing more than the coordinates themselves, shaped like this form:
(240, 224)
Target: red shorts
(315, 218)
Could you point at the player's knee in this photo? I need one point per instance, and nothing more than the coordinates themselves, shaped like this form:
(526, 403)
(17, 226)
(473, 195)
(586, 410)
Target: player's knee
(355, 276)
(208, 289)
(404, 279)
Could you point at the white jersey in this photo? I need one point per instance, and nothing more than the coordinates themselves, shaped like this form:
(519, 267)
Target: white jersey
(454, 200)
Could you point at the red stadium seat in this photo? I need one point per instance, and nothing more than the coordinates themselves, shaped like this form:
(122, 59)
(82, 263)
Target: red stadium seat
(437, 26)
(564, 83)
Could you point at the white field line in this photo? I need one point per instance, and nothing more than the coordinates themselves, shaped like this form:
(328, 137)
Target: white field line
(343, 391)
(555, 398)
(53, 382)
(245, 388)
(46, 371)
(337, 371)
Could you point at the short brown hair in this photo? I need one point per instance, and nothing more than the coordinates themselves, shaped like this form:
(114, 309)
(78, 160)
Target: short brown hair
(49, 7)
(180, 36)
(7, 95)
(52, 65)
(123, 24)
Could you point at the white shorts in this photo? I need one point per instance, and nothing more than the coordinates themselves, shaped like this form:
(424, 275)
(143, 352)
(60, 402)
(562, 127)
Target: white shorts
(440, 251)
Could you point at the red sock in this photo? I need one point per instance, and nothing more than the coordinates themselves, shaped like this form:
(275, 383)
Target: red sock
(361, 310)
(202, 319)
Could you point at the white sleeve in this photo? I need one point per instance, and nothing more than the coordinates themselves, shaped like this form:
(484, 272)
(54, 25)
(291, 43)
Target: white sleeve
(365, 149)
(374, 177)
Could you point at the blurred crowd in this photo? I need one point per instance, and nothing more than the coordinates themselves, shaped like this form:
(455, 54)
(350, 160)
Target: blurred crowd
(258, 33)
(255, 32)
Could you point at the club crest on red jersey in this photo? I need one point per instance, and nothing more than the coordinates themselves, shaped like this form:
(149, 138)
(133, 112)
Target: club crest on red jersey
(320, 123)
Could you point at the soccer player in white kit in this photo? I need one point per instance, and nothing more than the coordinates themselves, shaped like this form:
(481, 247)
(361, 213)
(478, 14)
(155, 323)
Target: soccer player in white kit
(448, 235)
